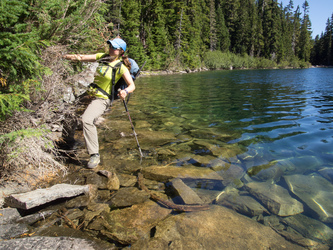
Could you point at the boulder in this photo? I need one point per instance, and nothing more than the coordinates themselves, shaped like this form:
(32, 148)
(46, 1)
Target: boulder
(310, 228)
(217, 228)
(275, 198)
(316, 192)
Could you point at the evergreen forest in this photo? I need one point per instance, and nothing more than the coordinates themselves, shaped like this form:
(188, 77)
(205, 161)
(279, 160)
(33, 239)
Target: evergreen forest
(167, 34)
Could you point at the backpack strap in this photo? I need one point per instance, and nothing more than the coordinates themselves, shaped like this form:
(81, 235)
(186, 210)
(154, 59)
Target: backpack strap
(113, 81)
(114, 71)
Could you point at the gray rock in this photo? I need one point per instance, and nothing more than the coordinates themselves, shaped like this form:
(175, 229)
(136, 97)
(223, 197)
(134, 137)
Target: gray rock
(9, 231)
(39, 242)
(186, 194)
(310, 228)
(42, 196)
(8, 215)
(32, 218)
(316, 192)
(220, 228)
(275, 198)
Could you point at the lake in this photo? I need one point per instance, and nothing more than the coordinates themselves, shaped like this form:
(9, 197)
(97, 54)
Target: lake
(268, 133)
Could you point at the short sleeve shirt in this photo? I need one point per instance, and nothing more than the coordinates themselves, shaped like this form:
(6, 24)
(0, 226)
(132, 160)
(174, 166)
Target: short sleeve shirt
(103, 77)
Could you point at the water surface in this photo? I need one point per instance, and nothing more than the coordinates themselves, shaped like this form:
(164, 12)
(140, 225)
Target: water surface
(257, 117)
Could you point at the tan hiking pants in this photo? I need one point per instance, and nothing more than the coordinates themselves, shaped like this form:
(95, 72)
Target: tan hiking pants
(94, 110)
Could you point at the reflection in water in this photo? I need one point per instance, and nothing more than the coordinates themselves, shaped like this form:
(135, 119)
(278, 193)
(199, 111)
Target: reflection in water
(251, 126)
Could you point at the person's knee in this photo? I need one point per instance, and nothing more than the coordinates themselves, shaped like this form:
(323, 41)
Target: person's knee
(87, 120)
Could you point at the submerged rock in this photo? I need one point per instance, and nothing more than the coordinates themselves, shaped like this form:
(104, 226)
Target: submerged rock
(316, 192)
(327, 173)
(186, 194)
(310, 228)
(130, 224)
(192, 176)
(243, 204)
(128, 196)
(220, 228)
(275, 198)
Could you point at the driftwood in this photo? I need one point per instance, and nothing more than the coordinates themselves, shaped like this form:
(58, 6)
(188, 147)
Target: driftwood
(169, 204)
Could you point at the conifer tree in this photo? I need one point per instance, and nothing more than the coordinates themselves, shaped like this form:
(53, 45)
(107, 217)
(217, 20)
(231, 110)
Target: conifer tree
(129, 31)
(305, 43)
(222, 33)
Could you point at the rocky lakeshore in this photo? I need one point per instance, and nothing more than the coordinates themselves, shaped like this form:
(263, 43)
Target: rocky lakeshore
(109, 210)
(220, 196)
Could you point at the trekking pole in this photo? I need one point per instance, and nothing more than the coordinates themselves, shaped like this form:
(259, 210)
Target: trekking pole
(129, 117)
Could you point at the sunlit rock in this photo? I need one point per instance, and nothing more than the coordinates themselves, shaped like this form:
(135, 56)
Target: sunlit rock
(130, 224)
(128, 196)
(275, 198)
(315, 191)
(310, 228)
(165, 173)
(184, 192)
(217, 228)
(42, 196)
(39, 242)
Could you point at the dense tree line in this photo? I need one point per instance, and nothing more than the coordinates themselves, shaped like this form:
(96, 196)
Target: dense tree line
(168, 34)
(322, 53)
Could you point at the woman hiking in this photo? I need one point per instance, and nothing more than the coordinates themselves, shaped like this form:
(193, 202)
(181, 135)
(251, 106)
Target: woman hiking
(102, 87)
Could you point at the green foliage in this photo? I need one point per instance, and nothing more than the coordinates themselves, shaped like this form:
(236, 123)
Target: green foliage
(23, 133)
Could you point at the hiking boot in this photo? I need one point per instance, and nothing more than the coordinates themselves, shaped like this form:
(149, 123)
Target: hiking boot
(94, 161)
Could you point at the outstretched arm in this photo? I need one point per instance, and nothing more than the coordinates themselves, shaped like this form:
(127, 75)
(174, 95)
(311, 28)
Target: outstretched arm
(82, 58)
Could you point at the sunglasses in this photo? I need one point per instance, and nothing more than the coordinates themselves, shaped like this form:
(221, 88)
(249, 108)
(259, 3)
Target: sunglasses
(114, 48)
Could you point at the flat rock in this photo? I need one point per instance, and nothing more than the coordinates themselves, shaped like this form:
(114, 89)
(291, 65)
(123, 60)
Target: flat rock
(186, 194)
(242, 204)
(275, 198)
(9, 231)
(220, 228)
(315, 191)
(163, 174)
(48, 243)
(8, 215)
(128, 196)
(310, 228)
(130, 224)
(42, 196)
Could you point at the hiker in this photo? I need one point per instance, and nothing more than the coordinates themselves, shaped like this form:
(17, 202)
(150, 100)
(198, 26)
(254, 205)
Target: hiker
(117, 66)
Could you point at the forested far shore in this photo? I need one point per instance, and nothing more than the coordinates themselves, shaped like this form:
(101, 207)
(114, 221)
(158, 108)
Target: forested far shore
(172, 35)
